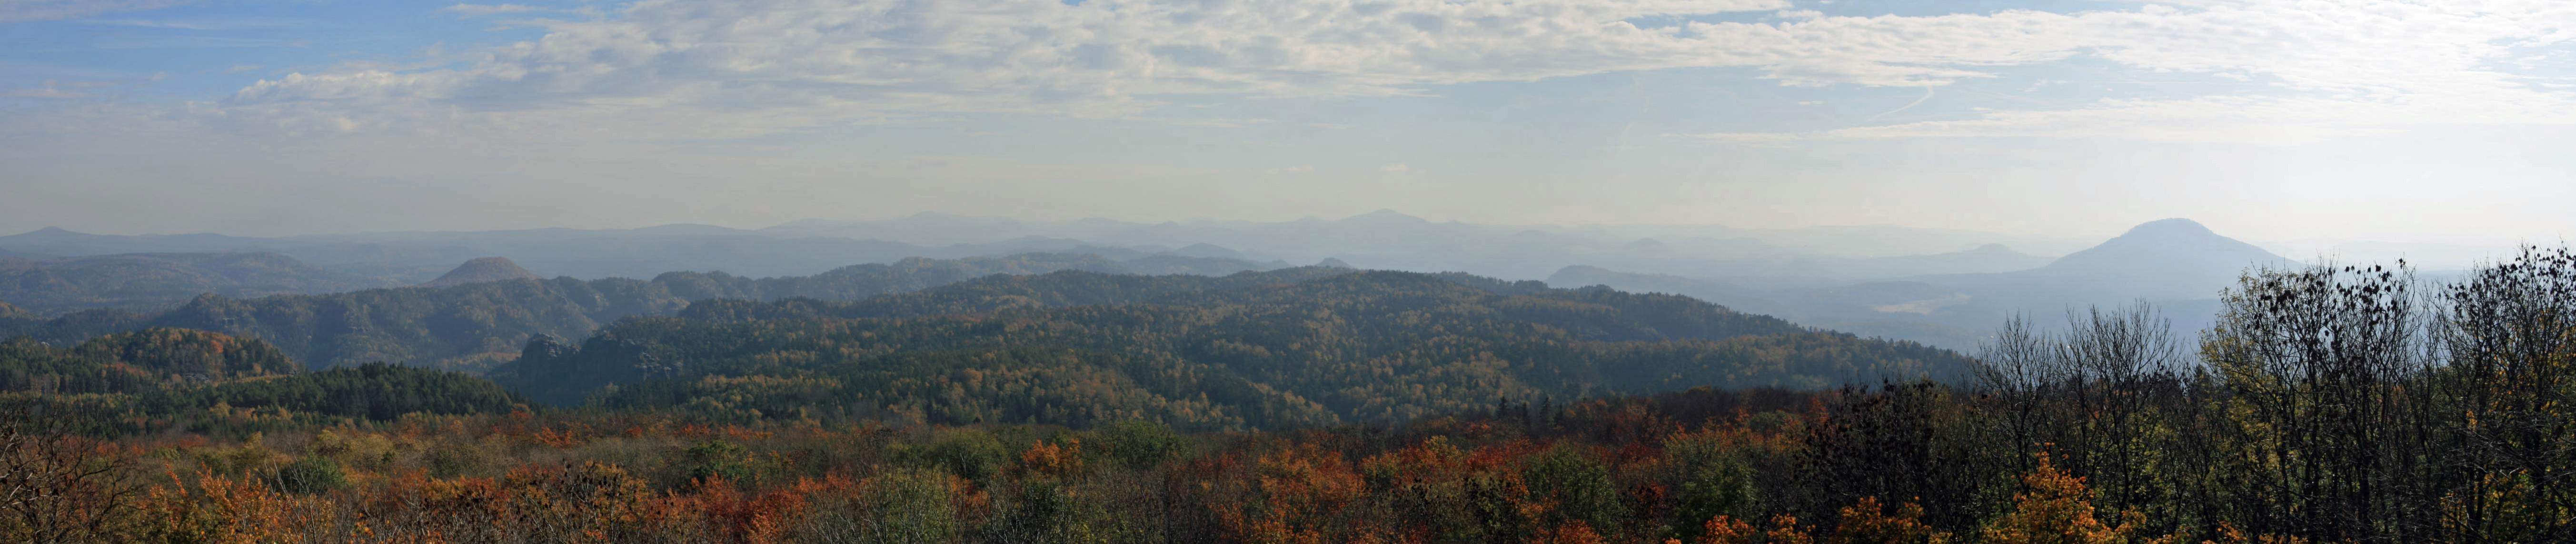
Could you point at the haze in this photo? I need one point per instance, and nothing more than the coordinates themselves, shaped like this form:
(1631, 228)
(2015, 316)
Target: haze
(2297, 126)
(1256, 271)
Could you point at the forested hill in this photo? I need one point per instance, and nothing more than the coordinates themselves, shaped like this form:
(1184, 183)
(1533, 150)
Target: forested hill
(135, 362)
(470, 327)
(1285, 348)
(166, 379)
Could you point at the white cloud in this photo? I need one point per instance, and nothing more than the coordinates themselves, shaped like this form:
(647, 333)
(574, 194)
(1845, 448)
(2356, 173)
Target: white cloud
(59, 89)
(12, 11)
(2332, 68)
(747, 67)
(189, 42)
(2227, 119)
(230, 23)
(48, 91)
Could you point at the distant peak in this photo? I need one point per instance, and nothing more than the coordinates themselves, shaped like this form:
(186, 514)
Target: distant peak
(2169, 227)
(1385, 215)
(480, 270)
(1330, 262)
(2170, 248)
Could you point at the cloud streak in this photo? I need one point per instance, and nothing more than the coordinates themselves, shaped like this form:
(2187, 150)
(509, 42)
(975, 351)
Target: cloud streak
(751, 67)
(15, 11)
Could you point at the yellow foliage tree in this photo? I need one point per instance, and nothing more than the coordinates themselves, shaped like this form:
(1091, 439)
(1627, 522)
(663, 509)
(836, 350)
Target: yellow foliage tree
(2057, 508)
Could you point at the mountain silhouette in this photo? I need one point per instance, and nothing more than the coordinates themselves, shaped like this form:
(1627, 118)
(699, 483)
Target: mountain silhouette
(2165, 248)
(486, 269)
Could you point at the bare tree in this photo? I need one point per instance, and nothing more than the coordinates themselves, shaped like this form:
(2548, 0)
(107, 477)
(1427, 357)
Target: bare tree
(2014, 368)
(2318, 358)
(2082, 390)
(2508, 335)
(60, 488)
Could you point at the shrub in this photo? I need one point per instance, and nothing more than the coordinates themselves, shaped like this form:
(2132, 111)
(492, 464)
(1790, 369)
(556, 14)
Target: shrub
(311, 475)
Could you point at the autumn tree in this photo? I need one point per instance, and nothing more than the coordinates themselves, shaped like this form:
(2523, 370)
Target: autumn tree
(2057, 508)
(56, 487)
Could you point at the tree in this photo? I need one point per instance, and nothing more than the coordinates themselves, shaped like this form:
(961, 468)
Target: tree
(2316, 362)
(61, 488)
(2056, 508)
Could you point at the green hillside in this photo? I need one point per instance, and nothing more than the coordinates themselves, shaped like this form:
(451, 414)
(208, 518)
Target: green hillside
(1293, 347)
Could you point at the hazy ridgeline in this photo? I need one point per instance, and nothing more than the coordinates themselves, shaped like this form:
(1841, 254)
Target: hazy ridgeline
(472, 326)
(2327, 404)
(1948, 300)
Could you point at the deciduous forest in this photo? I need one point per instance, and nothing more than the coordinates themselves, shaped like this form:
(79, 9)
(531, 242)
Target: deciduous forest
(2328, 404)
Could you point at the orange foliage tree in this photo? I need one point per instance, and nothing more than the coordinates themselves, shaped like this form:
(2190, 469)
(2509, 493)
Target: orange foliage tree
(2057, 508)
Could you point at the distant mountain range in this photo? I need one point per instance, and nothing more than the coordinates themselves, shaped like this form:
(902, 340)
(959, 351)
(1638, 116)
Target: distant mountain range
(467, 325)
(2176, 264)
(1129, 318)
(99, 276)
(1941, 287)
(407, 258)
(143, 281)
(1378, 240)
(1843, 241)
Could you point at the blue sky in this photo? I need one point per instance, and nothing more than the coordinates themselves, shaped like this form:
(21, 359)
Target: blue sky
(2331, 119)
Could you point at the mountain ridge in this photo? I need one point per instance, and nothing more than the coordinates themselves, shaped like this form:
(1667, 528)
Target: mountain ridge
(474, 325)
(140, 281)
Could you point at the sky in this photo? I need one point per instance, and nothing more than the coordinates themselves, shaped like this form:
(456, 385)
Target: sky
(2284, 121)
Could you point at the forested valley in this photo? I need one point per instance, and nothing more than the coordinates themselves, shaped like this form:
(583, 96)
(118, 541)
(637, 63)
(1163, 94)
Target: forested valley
(2328, 404)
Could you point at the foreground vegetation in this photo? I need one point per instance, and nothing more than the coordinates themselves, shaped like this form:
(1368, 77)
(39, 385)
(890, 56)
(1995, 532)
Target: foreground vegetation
(2329, 405)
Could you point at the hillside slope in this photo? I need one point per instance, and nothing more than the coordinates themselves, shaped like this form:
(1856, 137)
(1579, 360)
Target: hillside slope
(1294, 347)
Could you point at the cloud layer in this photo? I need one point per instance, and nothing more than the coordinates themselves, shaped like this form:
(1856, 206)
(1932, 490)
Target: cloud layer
(2431, 116)
(748, 67)
(2318, 69)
